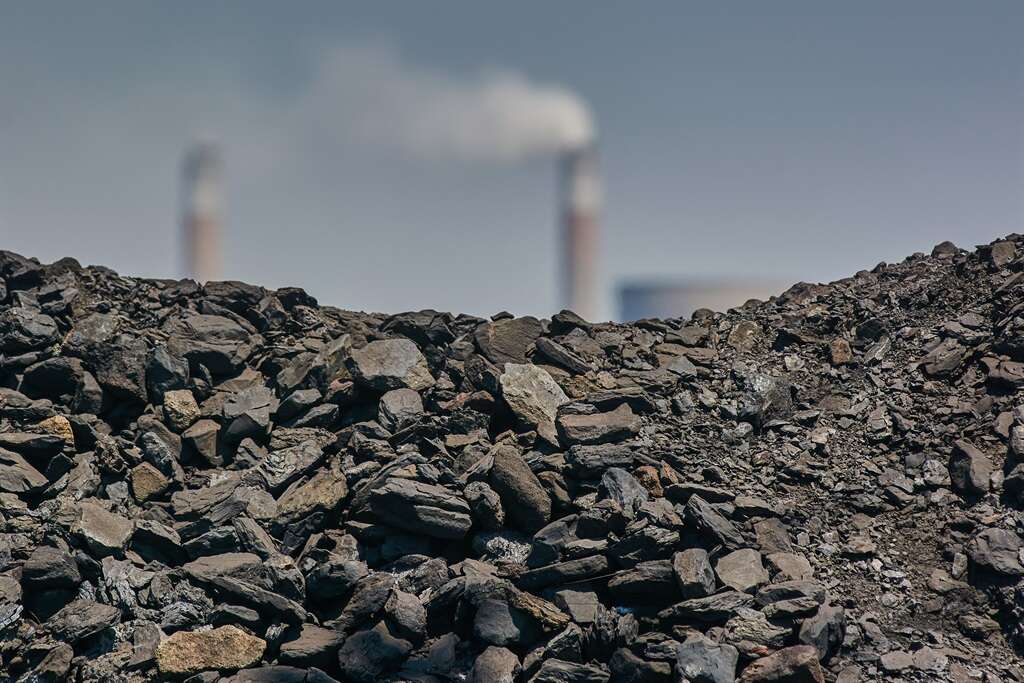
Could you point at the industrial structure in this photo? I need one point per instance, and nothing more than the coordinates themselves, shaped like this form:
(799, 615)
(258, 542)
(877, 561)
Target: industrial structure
(581, 203)
(202, 206)
(680, 298)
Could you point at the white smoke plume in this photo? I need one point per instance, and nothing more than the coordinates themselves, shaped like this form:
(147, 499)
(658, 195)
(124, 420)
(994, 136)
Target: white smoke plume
(366, 94)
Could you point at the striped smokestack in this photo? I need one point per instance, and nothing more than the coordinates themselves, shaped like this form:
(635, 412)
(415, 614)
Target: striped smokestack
(581, 204)
(201, 211)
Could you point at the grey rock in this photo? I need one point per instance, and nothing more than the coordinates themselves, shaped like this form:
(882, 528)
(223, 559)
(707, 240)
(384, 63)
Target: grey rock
(700, 660)
(17, 475)
(533, 396)
(485, 505)
(80, 619)
(694, 573)
(217, 343)
(559, 671)
(798, 663)
(588, 462)
(599, 428)
(713, 609)
(508, 340)
(622, 487)
(711, 523)
(526, 503)
(104, 532)
(495, 665)
(997, 550)
(49, 567)
(368, 655)
(969, 469)
(399, 408)
(742, 570)
(312, 646)
(421, 508)
(388, 364)
(23, 329)
(652, 582)
(825, 631)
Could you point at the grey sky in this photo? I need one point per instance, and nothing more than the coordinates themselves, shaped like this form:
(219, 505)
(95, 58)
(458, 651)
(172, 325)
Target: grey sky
(789, 140)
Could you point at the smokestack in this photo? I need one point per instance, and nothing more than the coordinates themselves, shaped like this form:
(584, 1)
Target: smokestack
(581, 198)
(201, 211)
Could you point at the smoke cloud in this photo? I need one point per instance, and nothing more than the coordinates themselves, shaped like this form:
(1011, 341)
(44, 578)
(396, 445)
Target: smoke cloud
(368, 95)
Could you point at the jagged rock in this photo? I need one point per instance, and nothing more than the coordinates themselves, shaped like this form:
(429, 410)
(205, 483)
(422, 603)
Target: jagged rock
(717, 608)
(322, 492)
(81, 619)
(203, 438)
(147, 482)
(104, 532)
(564, 572)
(797, 664)
(751, 632)
(647, 582)
(699, 660)
(590, 461)
(560, 671)
(180, 409)
(508, 340)
(694, 573)
(23, 329)
(825, 631)
(969, 469)
(226, 648)
(599, 428)
(495, 665)
(742, 570)
(279, 468)
(388, 364)
(525, 501)
(215, 342)
(997, 550)
(49, 567)
(485, 505)
(711, 523)
(367, 655)
(399, 408)
(312, 646)
(421, 508)
(945, 359)
(533, 396)
(622, 487)
(17, 475)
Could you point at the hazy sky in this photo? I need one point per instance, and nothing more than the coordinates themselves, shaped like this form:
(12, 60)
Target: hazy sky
(787, 140)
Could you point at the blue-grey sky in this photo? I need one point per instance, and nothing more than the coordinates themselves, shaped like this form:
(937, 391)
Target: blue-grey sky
(784, 140)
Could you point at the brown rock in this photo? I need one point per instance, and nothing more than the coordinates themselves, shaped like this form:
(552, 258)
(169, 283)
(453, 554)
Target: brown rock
(147, 482)
(224, 649)
(180, 409)
(58, 425)
(797, 664)
(839, 352)
(599, 428)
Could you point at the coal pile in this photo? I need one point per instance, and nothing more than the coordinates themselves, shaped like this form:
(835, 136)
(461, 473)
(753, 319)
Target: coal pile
(228, 483)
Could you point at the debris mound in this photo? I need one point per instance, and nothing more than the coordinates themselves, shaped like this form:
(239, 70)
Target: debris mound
(229, 483)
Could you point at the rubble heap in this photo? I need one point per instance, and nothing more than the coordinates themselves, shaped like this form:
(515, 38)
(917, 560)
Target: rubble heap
(227, 483)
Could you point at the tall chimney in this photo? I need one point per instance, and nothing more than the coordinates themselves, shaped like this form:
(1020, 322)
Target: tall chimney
(581, 203)
(201, 211)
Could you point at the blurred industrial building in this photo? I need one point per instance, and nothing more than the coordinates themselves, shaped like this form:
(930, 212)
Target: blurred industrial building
(680, 298)
(580, 202)
(202, 202)
(580, 193)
